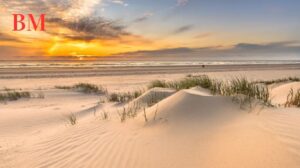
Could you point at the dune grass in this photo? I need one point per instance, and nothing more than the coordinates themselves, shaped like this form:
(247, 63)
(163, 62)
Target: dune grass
(245, 92)
(145, 115)
(289, 79)
(153, 98)
(186, 83)
(86, 88)
(89, 88)
(158, 83)
(123, 115)
(72, 119)
(249, 89)
(63, 87)
(236, 86)
(125, 97)
(293, 99)
(130, 111)
(12, 95)
(104, 115)
(155, 114)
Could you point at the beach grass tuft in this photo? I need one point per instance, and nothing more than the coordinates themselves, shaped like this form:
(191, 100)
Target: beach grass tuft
(130, 111)
(72, 119)
(288, 79)
(104, 115)
(13, 95)
(293, 98)
(125, 96)
(85, 88)
(158, 83)
(63, 87)
(186, 83)
(89, 88)
(251, 91)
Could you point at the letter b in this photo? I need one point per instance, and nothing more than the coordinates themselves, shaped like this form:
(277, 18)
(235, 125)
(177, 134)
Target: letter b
(19, 18)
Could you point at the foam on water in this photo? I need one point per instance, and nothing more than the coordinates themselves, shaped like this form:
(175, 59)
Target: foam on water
(41, 64)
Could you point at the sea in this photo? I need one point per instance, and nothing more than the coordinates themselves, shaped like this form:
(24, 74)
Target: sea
(96, 64)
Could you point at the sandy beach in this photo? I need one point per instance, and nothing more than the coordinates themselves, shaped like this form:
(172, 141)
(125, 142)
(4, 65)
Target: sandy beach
(149, 84)
(182, 128)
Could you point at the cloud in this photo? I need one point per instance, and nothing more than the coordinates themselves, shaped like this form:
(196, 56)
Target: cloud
(284, 46)
(24, 6)
(63, 8)
(242, 51)
(13, 52)
(143, 18)
(182, 2)
(75, 15)
(91, 27)
(82, 8)
(169, 51)
(9, 51)
(120, 2)
(204, 35)
(4, 37)
(76, 37)
(183, 29)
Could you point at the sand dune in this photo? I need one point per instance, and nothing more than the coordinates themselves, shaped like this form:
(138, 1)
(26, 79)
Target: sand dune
(29, 121)
(193, 104)
(189, 131)
(279, 92)
(153, 95)
(285, 125)
(189, 128)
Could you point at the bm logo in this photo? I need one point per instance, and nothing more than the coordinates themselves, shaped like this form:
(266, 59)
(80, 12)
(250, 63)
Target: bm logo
(29, 22)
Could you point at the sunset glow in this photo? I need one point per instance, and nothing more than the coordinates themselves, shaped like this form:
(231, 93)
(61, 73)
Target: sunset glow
(108, 27)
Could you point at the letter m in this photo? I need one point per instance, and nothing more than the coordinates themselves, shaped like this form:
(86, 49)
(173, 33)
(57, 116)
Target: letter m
(41, 22)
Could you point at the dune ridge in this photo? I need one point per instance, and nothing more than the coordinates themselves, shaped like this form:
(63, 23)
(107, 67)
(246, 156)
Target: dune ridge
(187, 128)
(189, 132)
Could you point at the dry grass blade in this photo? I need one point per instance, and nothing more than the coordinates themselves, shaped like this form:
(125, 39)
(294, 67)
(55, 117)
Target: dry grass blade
(125, 97)
(293, 99)
(72, 119)
(145, 115)
(14, 95)
(85, 88)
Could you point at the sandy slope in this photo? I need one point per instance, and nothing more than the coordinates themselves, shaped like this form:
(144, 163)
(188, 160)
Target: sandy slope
(285, 125)
(25, 116)
(191, 129)
(279, 92)
(28, 121)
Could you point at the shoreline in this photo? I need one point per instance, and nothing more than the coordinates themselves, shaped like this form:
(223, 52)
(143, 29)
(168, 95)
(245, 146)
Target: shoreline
(62, 72)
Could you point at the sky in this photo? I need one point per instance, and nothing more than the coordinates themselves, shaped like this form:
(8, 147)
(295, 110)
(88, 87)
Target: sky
(85, 29)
